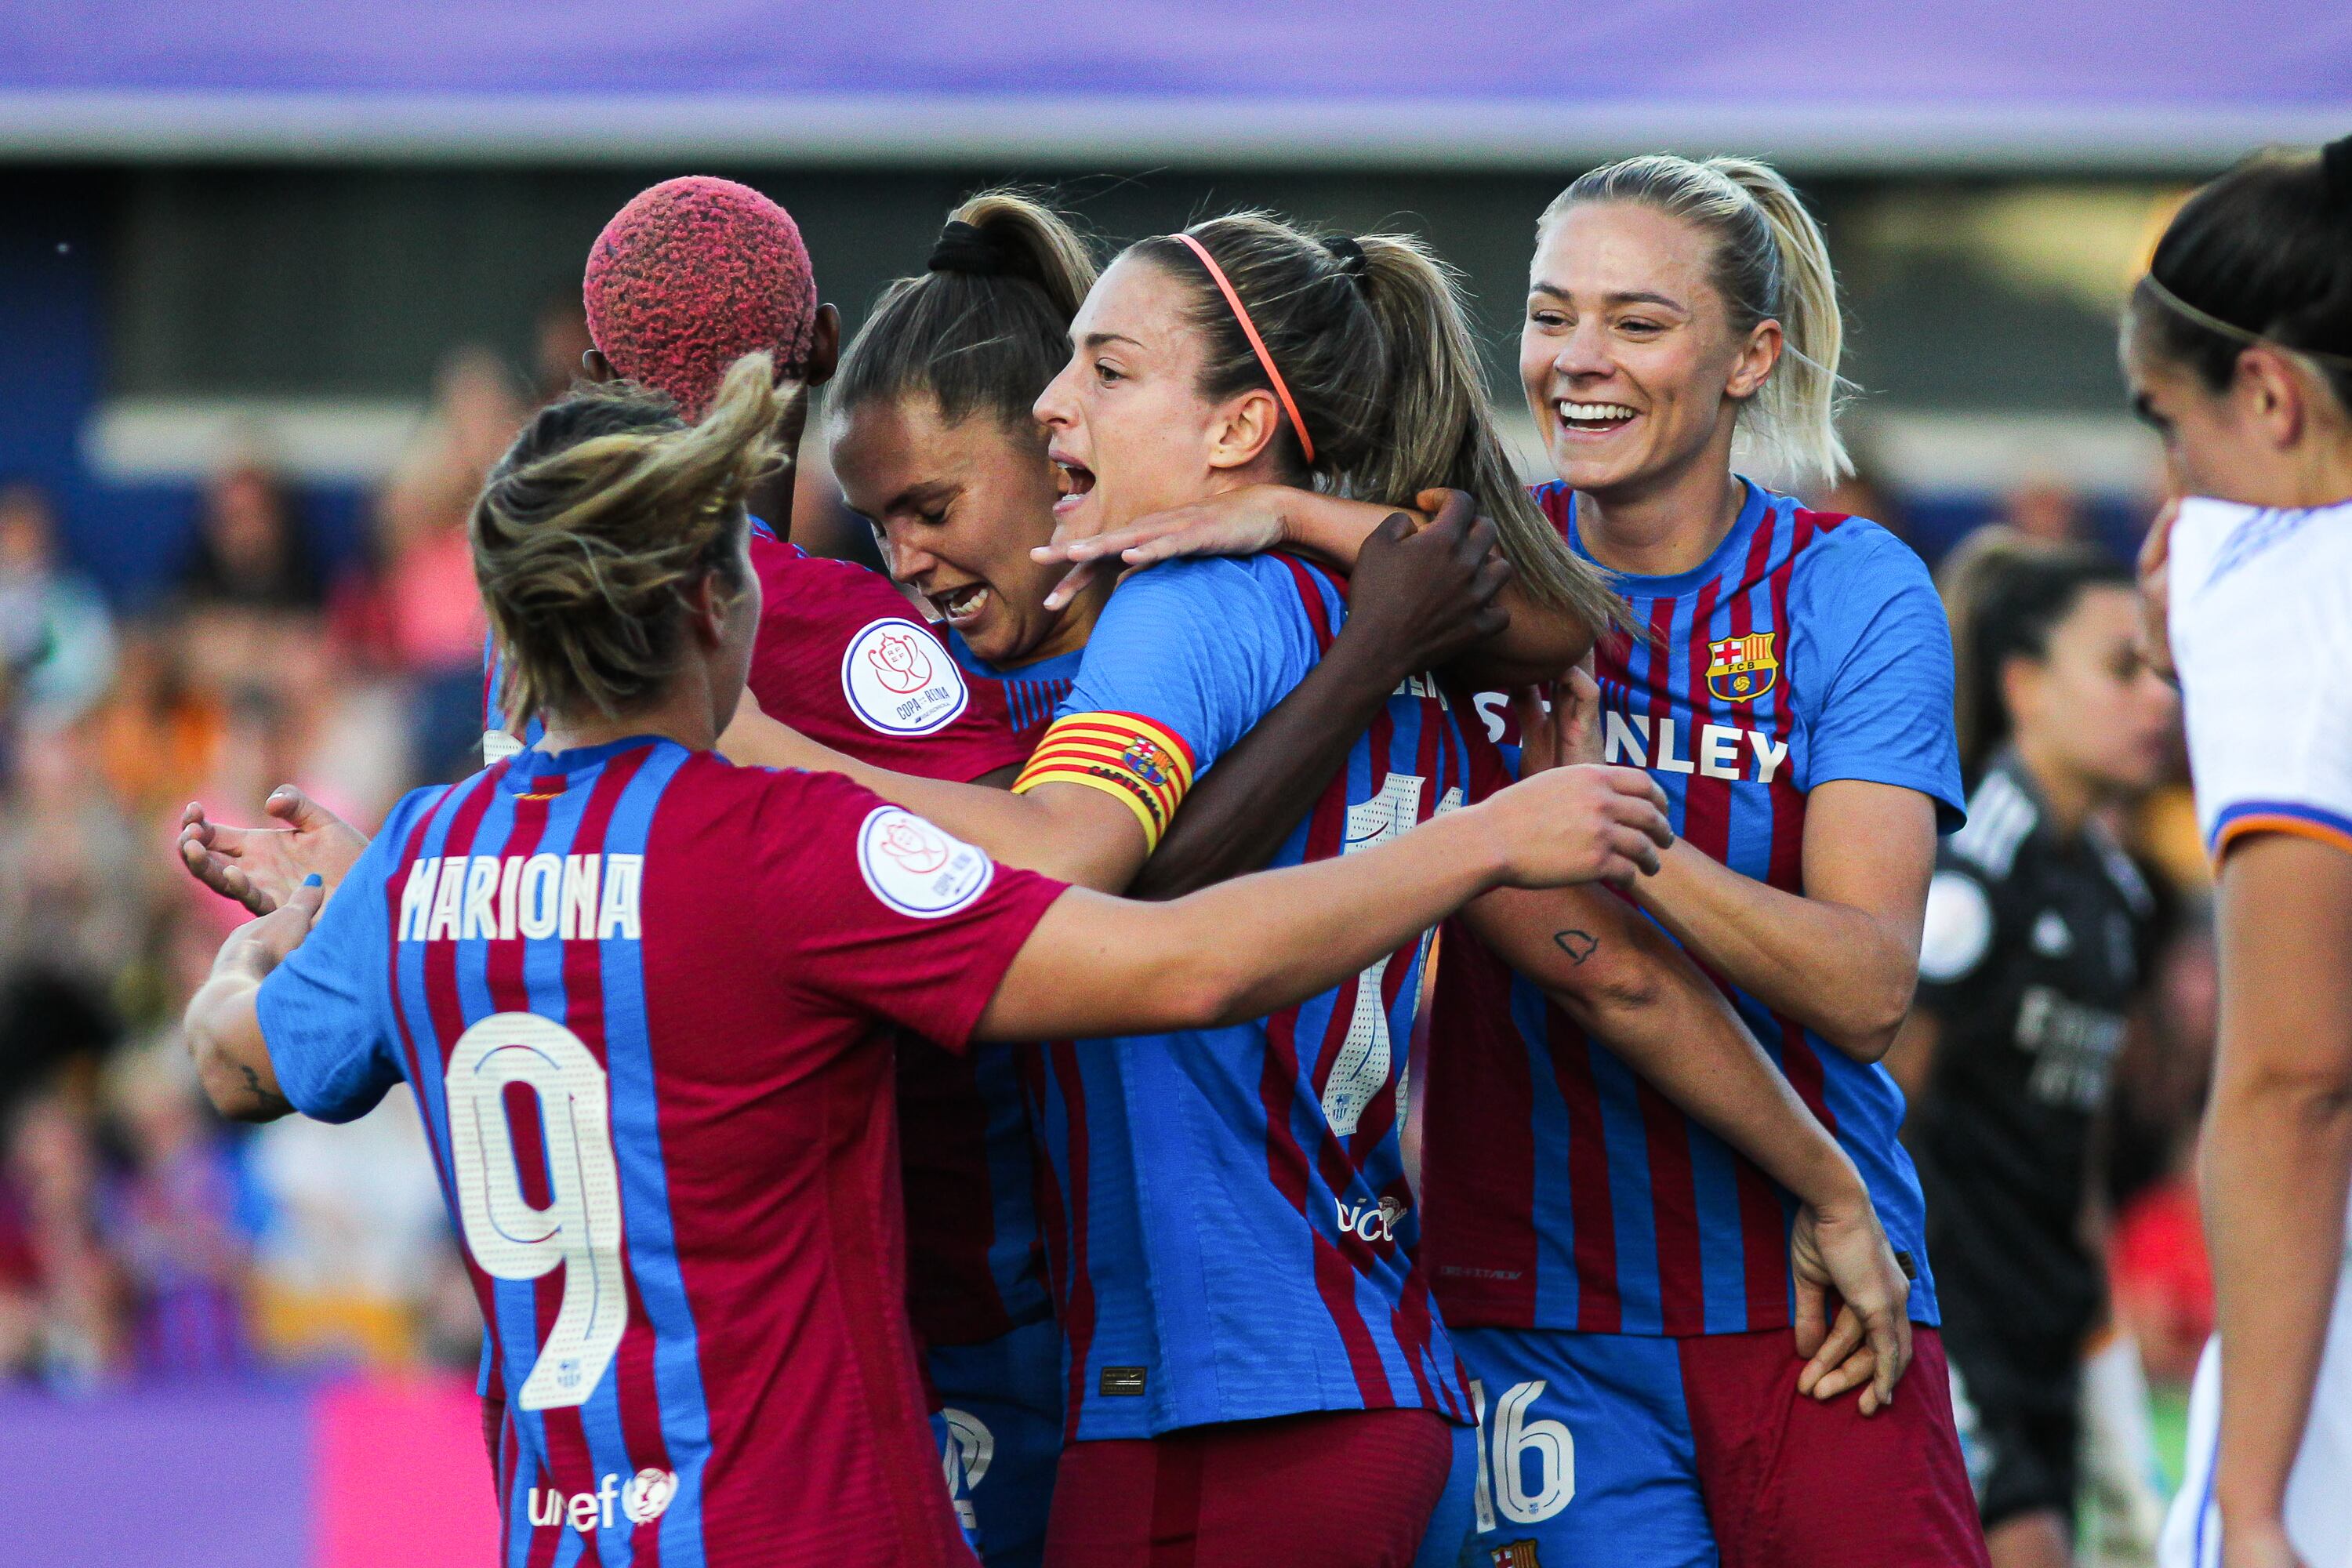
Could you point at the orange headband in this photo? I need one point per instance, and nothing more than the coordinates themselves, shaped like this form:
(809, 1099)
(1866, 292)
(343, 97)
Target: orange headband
(1256, 344)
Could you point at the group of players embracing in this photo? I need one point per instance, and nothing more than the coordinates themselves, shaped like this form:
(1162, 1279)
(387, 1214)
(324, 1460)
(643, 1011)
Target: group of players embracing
(1093, 913)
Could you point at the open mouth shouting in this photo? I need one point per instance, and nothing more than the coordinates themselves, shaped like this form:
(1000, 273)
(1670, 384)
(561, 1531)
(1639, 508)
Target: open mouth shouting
(1075, 481)
(1593, 418)
(961, 605)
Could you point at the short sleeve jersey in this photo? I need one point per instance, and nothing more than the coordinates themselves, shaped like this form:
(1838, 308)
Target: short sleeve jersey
(2262, 620)
(1228, 1226)
(2030, 955)
(644, 998)
(842, 657)
(1563, 1191)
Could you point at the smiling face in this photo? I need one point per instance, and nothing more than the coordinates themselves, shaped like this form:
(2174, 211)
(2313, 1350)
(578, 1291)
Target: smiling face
(1627, 354)
(956, 507)
(1130, 429)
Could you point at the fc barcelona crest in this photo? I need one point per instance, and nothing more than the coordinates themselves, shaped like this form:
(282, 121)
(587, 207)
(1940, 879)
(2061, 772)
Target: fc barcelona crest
(1741, 669)
(1517, 1555)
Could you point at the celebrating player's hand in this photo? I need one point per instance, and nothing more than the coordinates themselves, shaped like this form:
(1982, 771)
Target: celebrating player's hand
(261, 944)
(261, 867)
(2156, 592)
(1840, 1251)
(1424, 594)
(1560, 724)
(1581, 825)
(1237, 523)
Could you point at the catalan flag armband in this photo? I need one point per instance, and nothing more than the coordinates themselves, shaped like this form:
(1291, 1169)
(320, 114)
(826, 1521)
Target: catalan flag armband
(1122, 754)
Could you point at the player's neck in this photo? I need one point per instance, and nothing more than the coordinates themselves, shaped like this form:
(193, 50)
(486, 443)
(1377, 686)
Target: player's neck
(1665, 527)
(682, 713)
(2068, 798)
(2325, 478)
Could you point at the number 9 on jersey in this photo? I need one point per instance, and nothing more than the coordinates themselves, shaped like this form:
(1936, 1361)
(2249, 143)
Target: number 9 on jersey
(580, 1227)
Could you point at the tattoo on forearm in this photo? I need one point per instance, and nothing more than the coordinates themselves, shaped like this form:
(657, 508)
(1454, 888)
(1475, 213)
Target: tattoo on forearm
(1579, 945)
(269, 1100)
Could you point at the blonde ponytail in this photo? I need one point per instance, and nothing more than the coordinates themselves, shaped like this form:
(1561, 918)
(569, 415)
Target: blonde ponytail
(1772, 263)
(591, 528)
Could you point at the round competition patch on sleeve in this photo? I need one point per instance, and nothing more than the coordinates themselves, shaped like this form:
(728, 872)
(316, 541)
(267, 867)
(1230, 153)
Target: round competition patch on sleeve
(917, 870)
(899, 680)
(1958, 929)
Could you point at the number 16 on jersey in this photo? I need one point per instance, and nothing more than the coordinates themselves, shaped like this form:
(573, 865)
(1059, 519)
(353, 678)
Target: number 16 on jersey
(581, 1226)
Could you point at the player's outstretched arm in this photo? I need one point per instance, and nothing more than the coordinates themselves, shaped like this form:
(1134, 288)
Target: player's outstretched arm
(1245, 948)
(1068, 831)
(260, 867)
(1624, 982)
(1418, 597)
(1534, 644)
(223, 1027)
(2278, 1159)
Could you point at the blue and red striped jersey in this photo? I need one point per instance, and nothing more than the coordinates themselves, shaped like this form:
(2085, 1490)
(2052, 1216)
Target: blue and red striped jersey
(976, 1259)
(1561, 1191)
(644, 998)
(1226, 1217)
(840, 656)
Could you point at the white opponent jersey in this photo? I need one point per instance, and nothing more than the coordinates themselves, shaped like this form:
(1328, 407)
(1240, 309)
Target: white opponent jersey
(2262, 632)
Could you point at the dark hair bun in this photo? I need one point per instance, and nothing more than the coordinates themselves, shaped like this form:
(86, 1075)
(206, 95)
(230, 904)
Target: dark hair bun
(967, 248)
(2336, 165)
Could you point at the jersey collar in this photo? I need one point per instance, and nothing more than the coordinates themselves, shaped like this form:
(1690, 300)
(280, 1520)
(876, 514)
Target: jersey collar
(1758, 504)
(532, 772)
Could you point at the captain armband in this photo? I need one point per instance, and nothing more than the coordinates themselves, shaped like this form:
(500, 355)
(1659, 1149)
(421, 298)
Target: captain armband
(1125, 756)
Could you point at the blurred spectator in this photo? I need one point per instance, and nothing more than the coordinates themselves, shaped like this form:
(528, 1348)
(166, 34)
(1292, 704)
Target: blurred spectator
(352, 1249)
(433, 608)
(56, 639)
(249, 601)
(2042, 508)
(250, 550)
(157, 735)
(171, 1217)
(75, 880)
(49, 1187)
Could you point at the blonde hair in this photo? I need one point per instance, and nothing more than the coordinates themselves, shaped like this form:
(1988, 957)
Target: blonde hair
(1770, 263)
(604, 513)
(1369, 336)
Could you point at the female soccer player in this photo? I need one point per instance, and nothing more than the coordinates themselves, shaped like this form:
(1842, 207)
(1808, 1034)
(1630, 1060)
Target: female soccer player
(693, 268)
(2035, 926)
(1788, 680)
(1192, 375)
(635, 989)
(2238, 348)
(934, 441)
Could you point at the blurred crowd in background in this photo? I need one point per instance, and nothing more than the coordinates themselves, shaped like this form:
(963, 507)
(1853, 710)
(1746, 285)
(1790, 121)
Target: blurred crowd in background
(142, 1239)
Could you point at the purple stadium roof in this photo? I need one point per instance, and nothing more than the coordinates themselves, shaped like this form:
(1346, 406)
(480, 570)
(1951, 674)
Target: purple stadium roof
(1968, 83)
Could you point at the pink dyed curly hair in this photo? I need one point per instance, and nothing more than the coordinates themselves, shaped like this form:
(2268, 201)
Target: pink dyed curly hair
(692, 275)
